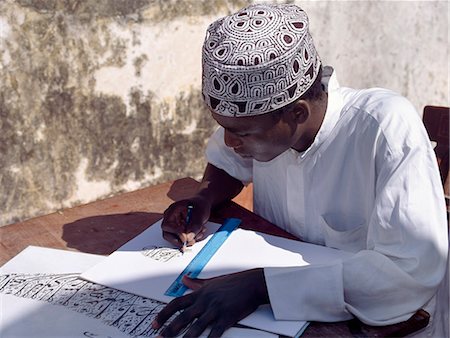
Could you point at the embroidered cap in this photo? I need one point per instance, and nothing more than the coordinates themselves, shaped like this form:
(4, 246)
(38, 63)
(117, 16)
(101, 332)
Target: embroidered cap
(258, 60)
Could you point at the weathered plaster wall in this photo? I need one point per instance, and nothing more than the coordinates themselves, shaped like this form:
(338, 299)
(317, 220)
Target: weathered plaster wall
(98, 97)
(401, 45)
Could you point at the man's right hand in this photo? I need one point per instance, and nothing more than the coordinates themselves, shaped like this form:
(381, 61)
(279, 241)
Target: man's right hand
(215, 188)
(174, 227)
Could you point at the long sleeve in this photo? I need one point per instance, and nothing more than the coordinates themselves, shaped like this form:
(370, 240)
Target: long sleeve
(403, 262)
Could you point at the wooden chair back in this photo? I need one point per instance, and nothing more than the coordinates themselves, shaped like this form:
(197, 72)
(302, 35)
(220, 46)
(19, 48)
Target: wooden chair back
(436, 121)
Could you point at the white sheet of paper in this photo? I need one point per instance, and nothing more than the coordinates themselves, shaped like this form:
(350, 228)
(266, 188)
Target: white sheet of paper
(25, 317)
(34, 259)
(137, 266)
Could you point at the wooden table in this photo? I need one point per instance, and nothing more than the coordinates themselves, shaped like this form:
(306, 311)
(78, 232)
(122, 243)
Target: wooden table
(102, 227)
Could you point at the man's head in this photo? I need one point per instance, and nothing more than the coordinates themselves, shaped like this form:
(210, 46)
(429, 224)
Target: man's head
(259, 67)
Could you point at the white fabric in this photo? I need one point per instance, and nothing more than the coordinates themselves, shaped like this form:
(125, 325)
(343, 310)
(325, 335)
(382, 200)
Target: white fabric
(368, 184)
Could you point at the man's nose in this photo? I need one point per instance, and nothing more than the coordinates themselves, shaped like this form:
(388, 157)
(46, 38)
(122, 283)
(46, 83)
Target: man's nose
(232, 140)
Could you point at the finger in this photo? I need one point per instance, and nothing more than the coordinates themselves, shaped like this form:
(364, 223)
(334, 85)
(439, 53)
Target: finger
(173, 239)
(172, 223)
(201, 234)
(190, 238)
(174, 217)
(179, 323)
(193, 283)
(177, 226)
(193, 238)
(176, 236)
(175, 305)
(217, 330)
(200, 324)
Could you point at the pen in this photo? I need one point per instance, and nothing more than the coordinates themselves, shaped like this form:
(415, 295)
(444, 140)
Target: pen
(188, 220)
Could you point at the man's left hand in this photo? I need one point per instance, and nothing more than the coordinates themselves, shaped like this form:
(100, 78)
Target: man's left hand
(218, 302)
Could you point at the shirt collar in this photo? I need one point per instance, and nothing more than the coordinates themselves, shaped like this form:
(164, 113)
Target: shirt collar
(334, 106)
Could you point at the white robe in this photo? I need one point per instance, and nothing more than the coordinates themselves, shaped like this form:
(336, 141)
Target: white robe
(368, 184)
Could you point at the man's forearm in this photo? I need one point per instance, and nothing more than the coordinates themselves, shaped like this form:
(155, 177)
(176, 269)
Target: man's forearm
(217, 186)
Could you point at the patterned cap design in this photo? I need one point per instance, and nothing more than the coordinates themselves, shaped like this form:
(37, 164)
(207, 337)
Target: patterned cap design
(258, 60)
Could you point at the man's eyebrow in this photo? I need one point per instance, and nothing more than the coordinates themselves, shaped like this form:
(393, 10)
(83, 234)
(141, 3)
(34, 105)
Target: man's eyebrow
(233, 130)
(240, 131)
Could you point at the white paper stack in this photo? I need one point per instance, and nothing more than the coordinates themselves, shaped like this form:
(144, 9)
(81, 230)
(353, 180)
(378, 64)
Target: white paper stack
(147, 265)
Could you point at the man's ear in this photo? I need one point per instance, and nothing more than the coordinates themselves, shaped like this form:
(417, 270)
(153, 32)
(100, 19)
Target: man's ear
(301, 111)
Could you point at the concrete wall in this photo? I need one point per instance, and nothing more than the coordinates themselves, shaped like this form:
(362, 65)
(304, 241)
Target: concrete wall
(100, 97)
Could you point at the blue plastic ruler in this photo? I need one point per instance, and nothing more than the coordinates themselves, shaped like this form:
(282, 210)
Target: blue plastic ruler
(196, 265)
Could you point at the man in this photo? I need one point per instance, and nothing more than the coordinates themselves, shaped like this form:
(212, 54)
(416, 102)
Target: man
(349, 169)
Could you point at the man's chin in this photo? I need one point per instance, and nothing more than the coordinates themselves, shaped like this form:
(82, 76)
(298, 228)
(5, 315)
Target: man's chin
(259, 157)
(265, 158)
